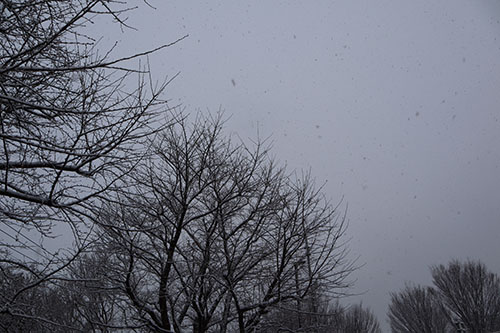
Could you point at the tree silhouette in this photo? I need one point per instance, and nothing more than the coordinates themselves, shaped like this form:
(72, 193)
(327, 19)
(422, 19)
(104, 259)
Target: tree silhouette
(71, 125)
(215, 234)
(470, 293)
(417, 309)
(466, 297)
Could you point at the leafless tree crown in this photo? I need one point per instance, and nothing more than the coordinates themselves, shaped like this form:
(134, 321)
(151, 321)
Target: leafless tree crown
(466, 298)
(215, 234)
(70, 130)
(471, 294)
(417, 309)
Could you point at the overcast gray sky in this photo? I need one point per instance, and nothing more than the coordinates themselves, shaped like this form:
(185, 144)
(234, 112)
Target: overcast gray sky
(394, 103)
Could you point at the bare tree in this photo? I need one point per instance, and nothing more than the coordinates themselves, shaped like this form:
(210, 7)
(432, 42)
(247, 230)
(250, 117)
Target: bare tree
(90, 298)
(327, 318)
(70, 129)
(37, 302)
(471, 294)
(215, 234)
(147, 229)
(466, 297)
(78, 302)
(69, 125)
(417, 309)
(301, 247)
(360, 320)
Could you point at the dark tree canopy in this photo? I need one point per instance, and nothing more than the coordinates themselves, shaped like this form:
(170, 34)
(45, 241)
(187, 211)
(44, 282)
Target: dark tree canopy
(471, 293)
(360, 320)
(319, 315)
(71, 124)
(417, 309)
(466, 297)
(215, 234)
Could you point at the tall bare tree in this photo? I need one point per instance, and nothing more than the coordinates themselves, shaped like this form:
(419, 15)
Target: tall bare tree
(70, 128)
(302, 248)
(215, 234)
(470, 293)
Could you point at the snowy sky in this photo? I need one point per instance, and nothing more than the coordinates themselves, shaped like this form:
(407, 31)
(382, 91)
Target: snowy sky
(395, 104)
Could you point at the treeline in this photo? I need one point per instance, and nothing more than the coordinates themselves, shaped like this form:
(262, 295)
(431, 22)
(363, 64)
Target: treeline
(89, 305)
(202, 234)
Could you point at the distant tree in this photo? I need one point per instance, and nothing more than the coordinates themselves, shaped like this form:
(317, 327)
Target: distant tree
(417, 309)
(215, 234)
(70, 127)
(360, 320)
(326, 319)
(466, 297)
(470, 293)
(79, 303)
(92, 299)
(319, 313)
(39, 308)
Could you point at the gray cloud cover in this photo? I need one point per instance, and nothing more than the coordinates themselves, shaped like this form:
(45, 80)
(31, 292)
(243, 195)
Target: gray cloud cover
(394, 103)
